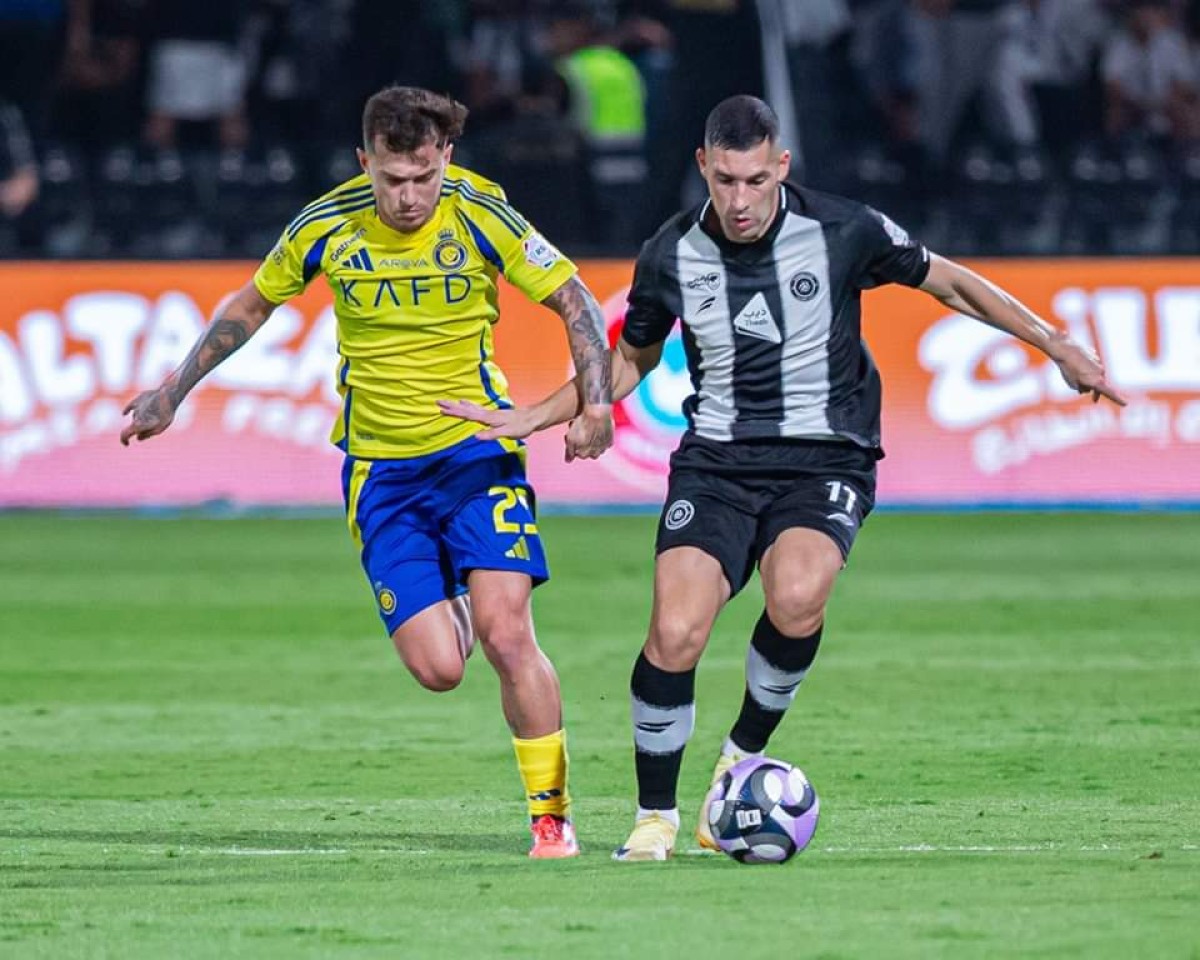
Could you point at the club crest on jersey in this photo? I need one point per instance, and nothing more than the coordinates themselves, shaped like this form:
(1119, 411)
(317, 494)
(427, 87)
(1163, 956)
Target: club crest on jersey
(449, 254)
(804, 285)
(539, 252)
(679, 514)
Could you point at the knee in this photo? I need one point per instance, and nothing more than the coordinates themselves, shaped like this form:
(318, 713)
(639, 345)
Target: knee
(437, 675)
(438, 678)
(676, 642)
(508, 642)
(797, 609)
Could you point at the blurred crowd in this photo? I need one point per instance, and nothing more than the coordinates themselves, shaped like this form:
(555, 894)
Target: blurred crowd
(179, 128)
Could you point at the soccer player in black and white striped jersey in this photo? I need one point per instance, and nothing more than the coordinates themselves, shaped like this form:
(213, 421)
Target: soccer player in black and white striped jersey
(777, 467)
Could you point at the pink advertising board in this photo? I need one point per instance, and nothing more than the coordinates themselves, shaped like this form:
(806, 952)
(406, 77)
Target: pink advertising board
(970, 417)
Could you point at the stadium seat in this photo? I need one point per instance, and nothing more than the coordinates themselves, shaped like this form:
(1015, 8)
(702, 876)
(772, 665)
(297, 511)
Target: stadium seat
(255, 195)
(538, 161)
(147, 203)
(999, 203)
(1186, 215)
(889, 185)
(64, 201)
(1118, 202)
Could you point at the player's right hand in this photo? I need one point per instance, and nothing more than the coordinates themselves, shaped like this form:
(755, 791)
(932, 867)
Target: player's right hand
(152, 412)
(589, 434)
(514, 424)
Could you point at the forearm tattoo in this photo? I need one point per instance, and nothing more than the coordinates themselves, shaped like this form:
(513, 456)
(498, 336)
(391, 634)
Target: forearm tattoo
(221, 339)
(586, 332)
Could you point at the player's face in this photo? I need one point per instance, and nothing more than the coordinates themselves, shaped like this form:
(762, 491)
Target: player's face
(407, 186)
(744, 187)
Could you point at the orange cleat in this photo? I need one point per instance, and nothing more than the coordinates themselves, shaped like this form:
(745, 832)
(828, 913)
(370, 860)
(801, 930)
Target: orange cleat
(553, 838)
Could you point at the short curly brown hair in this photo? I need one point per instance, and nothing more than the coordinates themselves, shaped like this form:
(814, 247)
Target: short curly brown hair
(407, 118)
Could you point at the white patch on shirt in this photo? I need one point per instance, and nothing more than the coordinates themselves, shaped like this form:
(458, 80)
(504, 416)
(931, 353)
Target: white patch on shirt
(756, 320)
(898, 234)
(539, 252)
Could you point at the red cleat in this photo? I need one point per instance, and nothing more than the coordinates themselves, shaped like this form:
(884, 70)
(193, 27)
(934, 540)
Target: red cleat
(553, 838)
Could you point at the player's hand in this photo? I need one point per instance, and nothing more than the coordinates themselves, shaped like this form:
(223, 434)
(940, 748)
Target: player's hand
(152, 412)
(514, 424)
(589, 434)
(1083, 371)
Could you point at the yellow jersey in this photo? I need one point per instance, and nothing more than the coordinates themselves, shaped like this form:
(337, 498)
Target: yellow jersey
(414, 311)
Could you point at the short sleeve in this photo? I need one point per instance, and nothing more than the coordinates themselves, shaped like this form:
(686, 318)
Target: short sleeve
(281, 275)
(648, 320)
(892, 256)
(529, 261)
(535, 266)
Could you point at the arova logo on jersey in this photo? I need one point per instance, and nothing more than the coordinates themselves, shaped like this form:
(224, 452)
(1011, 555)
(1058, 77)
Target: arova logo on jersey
(650, 420)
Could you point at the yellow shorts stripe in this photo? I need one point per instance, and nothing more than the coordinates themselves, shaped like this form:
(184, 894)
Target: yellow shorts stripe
(358, 480)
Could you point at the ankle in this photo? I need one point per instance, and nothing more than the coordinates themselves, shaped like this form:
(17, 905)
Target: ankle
(671, 815)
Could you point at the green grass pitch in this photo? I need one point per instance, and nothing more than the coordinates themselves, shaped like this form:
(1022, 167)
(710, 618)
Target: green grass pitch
(208, 749)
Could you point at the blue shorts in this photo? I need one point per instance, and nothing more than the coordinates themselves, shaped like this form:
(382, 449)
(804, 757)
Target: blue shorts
(423, 524)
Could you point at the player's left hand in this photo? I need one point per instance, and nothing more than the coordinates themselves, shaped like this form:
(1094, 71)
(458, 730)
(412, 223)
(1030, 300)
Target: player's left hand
(589, 434)
(1083, 371)
(514, 424)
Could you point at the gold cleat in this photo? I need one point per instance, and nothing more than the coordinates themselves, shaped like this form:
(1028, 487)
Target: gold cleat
(653, 838)
(704, 835)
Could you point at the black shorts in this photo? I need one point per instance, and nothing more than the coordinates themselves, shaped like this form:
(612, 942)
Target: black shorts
(733, 499)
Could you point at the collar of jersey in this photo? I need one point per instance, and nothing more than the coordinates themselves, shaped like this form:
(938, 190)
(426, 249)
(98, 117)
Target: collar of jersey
(420, 237)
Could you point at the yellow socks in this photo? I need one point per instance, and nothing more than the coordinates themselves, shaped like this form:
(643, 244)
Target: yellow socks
(543, 766)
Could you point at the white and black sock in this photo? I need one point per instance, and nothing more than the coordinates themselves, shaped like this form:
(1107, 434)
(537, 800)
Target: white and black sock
(664, 715)
(775, 665)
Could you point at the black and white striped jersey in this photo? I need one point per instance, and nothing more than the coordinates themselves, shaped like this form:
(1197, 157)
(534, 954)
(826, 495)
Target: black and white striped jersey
(772, 328)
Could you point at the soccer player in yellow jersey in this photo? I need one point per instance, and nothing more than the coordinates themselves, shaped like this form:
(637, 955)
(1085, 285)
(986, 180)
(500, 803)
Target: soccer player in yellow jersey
(412, 250)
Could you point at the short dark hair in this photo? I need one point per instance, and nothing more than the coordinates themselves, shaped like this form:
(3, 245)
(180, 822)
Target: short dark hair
(409, 117)
(739, 123)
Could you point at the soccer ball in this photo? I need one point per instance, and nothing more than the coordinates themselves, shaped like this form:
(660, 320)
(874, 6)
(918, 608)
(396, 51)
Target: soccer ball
(762, 811)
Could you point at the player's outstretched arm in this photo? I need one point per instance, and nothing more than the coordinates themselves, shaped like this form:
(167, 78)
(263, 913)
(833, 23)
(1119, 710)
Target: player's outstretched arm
(234, 324)
(630, 365)
(590, 433)
(968, 293)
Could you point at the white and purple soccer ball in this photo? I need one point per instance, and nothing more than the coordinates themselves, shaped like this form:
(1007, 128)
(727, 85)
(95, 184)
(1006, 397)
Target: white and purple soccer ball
(763, 811)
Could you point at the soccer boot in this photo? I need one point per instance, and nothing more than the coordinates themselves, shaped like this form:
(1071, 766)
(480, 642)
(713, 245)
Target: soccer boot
(704, 835)
(553, 838)
(653, 838)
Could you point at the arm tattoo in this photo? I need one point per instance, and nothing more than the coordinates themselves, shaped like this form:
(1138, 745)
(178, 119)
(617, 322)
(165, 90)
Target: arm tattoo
(221, 339)
(587, 335)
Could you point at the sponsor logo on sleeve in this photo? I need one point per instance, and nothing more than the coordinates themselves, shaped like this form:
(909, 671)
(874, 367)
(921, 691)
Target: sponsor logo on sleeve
(539, 252)
(897, 234)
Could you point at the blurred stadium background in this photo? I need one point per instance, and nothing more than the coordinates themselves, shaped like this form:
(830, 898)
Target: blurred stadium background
(206, 747)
